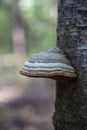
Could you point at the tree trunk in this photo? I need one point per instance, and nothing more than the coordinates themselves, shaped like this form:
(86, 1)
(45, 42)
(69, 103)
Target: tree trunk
(71, 98)
(19, 30)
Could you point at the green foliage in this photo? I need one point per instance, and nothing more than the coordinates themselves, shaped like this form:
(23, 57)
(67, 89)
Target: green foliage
(41, 29)
(40, 25)
(5, 31)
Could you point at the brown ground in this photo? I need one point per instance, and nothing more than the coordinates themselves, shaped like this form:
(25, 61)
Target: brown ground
(29, 108)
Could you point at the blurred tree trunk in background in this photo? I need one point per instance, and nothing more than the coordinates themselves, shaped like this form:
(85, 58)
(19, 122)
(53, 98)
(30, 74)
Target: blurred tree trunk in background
(19, 30)
(71, 99)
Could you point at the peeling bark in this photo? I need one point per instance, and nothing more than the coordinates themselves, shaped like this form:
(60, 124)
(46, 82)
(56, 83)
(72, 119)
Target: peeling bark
(71, 99)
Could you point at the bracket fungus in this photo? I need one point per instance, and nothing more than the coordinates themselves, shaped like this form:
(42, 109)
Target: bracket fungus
(50, 64)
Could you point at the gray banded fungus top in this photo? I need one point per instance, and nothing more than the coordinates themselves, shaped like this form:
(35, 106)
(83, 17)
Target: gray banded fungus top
(49, 64)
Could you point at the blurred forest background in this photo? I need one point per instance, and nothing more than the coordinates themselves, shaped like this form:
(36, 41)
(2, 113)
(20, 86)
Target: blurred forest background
(26, 27)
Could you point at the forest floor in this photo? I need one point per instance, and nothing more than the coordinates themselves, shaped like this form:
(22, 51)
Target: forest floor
(25, 104)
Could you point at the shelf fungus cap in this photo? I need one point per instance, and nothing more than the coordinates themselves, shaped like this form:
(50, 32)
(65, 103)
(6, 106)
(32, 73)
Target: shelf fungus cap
(50, 64)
